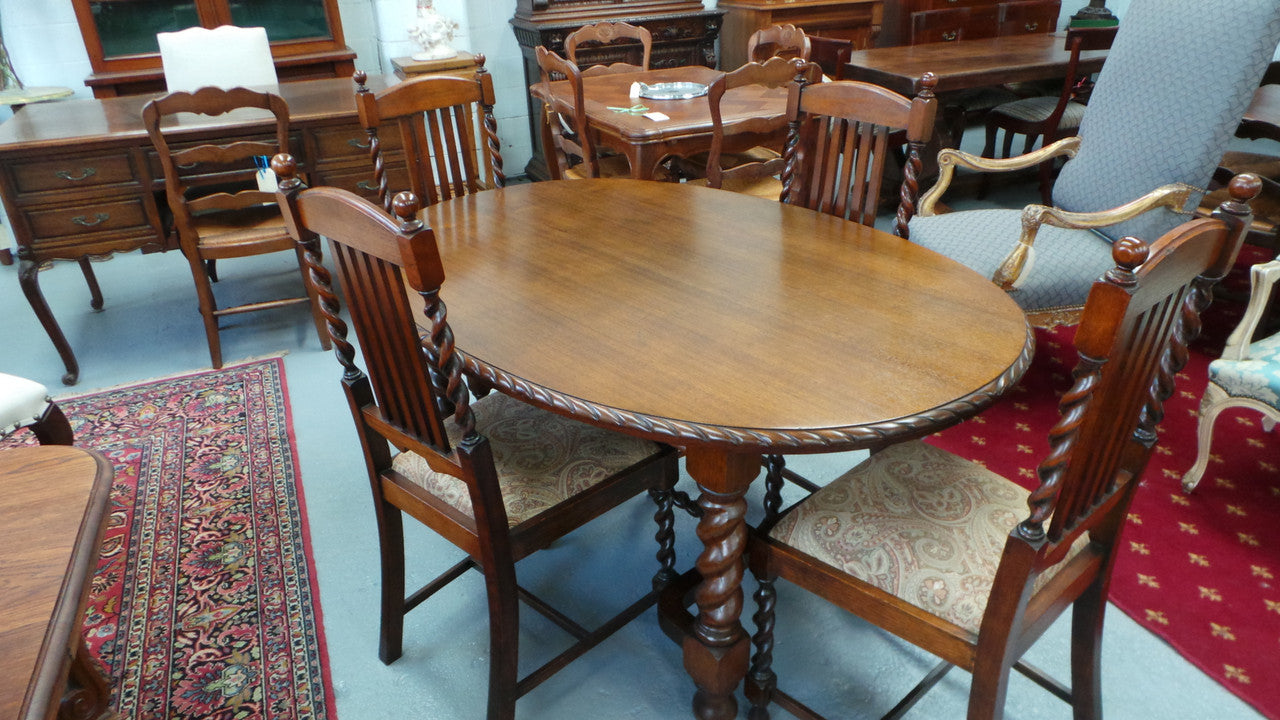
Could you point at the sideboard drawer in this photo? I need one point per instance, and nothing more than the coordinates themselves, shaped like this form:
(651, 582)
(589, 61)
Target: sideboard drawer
(49, 224)
(71, 173)
(360, 180)
(342, 142)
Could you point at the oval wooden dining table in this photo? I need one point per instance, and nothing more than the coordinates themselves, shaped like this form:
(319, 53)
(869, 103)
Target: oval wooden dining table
(727, 325)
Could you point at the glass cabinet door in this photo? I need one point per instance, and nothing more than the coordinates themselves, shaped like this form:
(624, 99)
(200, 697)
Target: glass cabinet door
(129, 28)
(285, 20)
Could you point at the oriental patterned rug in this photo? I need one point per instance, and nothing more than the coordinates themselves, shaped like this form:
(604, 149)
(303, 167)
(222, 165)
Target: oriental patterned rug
(1200, 570)
(204, 603)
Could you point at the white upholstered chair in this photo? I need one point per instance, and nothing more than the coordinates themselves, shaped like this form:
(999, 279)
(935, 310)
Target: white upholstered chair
(26, 403)
(222, 57)
(1247, 375)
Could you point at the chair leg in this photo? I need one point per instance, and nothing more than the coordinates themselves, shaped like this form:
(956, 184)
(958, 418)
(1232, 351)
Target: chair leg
(988, 151)
(211, 269)
(666, 537)
(90, 279)
(53, 428)
(1086, 653)
(761, 681)
(1210, 407)
(504, 638)
(391, 547)
(773, 481)
(317, 315)
(208, 306)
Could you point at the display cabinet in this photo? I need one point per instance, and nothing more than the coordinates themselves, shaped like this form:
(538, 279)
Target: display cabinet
(120, 37)
(857, 21)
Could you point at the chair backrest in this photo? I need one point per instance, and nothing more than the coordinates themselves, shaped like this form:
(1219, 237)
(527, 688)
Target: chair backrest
(951, 24)
(1131, 342)
(1028, 16)
(831, 54)
(1165, 105)
(774, 72)
(222, 57)
(415, 381)
(839, 145)
(619, 47)
(446, 129)
(224, 168)
(784, 41)
(565, 126)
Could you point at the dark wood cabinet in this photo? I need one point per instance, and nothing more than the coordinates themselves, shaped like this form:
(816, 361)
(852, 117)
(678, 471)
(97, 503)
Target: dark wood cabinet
(684, 33)
(120, 37)
(858, 21)
(943, 20)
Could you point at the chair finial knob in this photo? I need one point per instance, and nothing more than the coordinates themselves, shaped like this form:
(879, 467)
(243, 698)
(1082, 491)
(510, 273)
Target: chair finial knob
(927, 83)
(405, 205)
(1128, 253)
(285, 166)
(361, 77)
(1244, 187)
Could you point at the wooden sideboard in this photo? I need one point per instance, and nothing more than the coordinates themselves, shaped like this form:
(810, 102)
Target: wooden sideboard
(856, 20)
(684, 33)
(79, 178)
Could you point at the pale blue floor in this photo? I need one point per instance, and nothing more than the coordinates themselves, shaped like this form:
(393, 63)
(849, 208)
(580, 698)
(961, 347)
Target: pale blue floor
(838, 664)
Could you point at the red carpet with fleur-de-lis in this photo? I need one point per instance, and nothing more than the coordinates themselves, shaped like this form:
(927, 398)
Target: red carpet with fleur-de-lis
(1200, 569)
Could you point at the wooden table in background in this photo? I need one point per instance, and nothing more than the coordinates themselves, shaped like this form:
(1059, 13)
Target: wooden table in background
(725, 324)
(52, 513)
(687, 132)
(967, 64)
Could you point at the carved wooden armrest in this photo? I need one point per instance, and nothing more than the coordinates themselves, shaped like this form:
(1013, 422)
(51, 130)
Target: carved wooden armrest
(949, 158)
(1017, 263)
(1262, 278)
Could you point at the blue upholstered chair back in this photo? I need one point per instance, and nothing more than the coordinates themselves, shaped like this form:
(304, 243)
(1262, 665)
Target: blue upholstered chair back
(1176, 83)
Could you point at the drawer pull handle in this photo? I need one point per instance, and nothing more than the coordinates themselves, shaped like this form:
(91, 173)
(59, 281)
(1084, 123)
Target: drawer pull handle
(949, 35)
(84, 173)
(1031, 26)
(188, 166)
(357, 144)
(98, 219)
(366, 185)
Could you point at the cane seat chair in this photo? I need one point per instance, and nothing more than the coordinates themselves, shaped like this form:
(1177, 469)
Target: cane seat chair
(1246, 376)
(26, 403)
(1045, 117)
(784, 41)
(445, 128)
(219, 210)
(752, 170)
(968, 565)
(498, 478)
(569, 146)
(1145, 151)
(621, 46)
(844, 135)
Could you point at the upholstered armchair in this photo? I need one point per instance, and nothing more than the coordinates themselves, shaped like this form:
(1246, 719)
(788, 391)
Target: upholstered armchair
(1247, 375)
(26, 403)
(1149, 142)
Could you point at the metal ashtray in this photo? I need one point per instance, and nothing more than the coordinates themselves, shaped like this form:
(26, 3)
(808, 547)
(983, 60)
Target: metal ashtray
(672, 90)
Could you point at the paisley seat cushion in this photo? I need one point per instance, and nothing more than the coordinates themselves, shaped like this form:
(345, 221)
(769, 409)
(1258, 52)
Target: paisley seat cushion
(542, 458)
(917, 522)
(1257, 377)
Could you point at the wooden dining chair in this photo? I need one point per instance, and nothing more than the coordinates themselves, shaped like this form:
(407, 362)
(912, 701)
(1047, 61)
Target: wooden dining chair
(445, 129)
(842, 140)
(617, 47)
(831, 54)
(1045, 117)
(571, 149)
(970, 566)
(219, 210)
(499, 478)
(1144, 153)
(784, 41)
(26, 403)
(752, 170)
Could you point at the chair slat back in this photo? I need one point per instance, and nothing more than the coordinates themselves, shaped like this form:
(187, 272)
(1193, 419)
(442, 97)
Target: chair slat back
(446, 128)
(186, 169)
(784, 41)
(839, 146)
(1131, 341)
(378, 260)
(624, 46)
(565, 127)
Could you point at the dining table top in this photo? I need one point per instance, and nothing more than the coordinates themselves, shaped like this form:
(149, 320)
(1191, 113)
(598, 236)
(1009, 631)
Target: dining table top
(703, 317)
(968, 64)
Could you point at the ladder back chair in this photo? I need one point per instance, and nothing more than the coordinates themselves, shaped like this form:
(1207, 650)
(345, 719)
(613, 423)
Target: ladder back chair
(1043, 116)
(752, 170)
(621, 47)
(974, 568)
(499, 478)
(784, 41)
(219, 212)
(1145, 152)
(445, 129)
(569, 145)
(842, 137)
